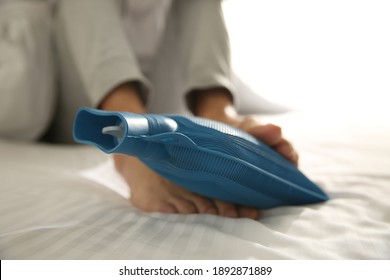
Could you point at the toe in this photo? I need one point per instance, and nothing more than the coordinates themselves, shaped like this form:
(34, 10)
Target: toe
(226, 209)
(205, 205)
(165, 208)
(184, 206)
(154, 206)
(248, 212)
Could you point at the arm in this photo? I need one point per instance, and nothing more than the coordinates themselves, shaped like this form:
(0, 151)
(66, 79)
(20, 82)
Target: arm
(98, 46)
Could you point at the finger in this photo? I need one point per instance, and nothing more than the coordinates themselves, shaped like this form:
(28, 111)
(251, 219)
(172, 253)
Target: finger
(270, 134)
(286, 149)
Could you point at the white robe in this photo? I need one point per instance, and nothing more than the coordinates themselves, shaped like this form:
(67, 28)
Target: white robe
(170, 47)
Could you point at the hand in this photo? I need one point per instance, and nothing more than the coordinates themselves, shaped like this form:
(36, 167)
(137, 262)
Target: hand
(216, 104)
(269, 134)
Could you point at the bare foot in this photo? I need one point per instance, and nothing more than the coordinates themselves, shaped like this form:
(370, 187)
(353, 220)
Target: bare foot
(152, 193)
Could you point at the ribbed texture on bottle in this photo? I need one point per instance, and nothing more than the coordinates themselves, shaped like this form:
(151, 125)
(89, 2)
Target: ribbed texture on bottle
(234, 170)
(209, 163)
(221, 127)
(221, 167)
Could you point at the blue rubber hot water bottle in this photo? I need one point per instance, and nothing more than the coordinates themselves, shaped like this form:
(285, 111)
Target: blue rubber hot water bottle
(206, 157)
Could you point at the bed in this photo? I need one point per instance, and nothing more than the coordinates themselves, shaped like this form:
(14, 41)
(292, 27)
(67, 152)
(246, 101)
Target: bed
(68, 202)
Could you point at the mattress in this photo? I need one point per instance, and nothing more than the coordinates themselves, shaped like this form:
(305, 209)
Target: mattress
(68, 202)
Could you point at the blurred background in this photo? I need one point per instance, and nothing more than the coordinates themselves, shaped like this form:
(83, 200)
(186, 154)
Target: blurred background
(329, 58)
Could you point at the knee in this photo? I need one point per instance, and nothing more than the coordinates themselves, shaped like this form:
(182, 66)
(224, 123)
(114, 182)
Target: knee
(26, 69)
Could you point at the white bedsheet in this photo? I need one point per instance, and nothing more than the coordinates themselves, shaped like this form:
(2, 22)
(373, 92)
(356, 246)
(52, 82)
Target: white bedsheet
(56, 204)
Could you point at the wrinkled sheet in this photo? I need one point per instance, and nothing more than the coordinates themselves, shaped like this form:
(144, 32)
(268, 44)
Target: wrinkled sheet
(67, 202)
